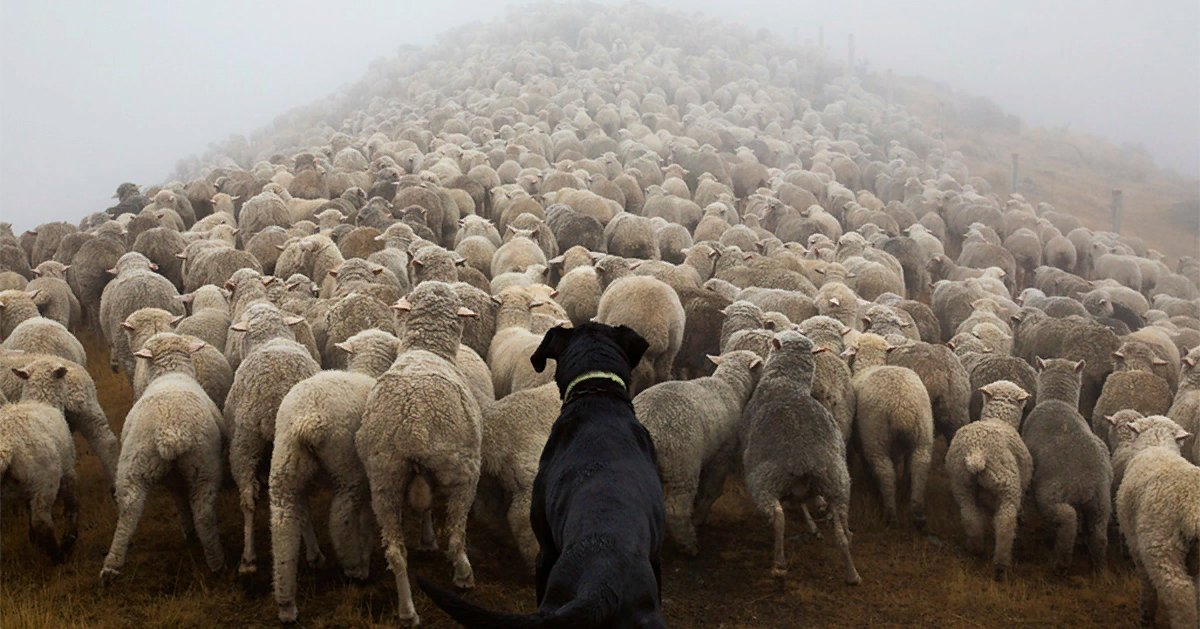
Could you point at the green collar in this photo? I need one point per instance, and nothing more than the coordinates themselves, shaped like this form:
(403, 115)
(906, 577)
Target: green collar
(606, 375)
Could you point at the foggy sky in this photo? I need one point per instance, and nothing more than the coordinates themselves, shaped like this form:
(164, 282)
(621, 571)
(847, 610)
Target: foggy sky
(91, 96)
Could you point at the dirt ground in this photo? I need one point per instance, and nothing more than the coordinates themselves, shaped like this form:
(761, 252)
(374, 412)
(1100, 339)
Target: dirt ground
(909, 579)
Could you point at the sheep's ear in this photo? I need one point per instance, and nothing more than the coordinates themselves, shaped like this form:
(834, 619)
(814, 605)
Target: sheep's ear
(846, 330)
(775, 344)
(333, 273)
(819, 350)
(267, 280)
(125, 325)
(183, 256)
(1118, 355)
(294, 320)
(60, 372)
(467, 313)
(402, 305)
(417, 263)
(770, 325)
(555, 260)
(1112, 420)
(1039, 364)
(986, 393)
(1181, 435)
(144, 353)
(153, 266)
(987, 349)
(716, 360)
(196, 346)
(835, 301)
(1079, 366)
(345, 347)
(34, 294)
(950, 344)
(1023, 396)
(281, 247)
(553, 344)
(634, 265)
(1016, 318)
(377, 271)
(756, 363)
(1158, 362)
(631, 343)
(496, 300)
(20, 373)
(111, 271)
(37, 272)
(866, 322)
(1189, 361)
(185, 298)
(240, 326)
(849, 352)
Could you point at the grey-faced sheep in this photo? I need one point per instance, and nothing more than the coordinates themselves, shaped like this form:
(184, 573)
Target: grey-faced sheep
(1070, 491)
(991, 468)
(894, 422)
(793, 448)
(172, 427)
(422, 430)
(695, 427)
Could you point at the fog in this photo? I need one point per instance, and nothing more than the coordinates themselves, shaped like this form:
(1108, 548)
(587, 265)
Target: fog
(92, 95)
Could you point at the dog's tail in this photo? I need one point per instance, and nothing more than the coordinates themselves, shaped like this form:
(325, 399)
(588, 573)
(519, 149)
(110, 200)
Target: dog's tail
(574, 614)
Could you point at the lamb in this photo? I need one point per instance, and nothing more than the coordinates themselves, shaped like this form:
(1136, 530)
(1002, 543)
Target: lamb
(25, 330)
(893, 418)
(1185, 409)
(653, 310)
(172, 427)
(273, 363)
(695, 425)
(314, 432)
(80, 405)
(37, 454)
(1075, 490)
(1158, 509)
(794, 449)
(988, 463)
(134, 286)
(422, 429)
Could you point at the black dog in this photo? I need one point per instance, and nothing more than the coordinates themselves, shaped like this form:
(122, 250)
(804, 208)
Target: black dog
(597, 498)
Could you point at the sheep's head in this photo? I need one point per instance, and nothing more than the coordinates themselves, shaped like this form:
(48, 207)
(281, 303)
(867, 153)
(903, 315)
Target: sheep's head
(44, 381)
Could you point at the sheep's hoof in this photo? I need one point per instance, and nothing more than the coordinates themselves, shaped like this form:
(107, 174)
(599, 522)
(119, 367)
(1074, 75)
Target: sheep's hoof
(778, 572)
(464, 582)
(288, 613)
(919, 523)
(427, 546)
(812, 535)
(68, 543)
(316, 560)
(414, 621)
(975, 545)
(358, 574)
(108, 575)
(853, 579)
(1000, 574)
(247, 567)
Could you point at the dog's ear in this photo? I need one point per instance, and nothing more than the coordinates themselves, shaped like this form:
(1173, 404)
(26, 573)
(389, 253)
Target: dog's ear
(631, 343)
(553, 344)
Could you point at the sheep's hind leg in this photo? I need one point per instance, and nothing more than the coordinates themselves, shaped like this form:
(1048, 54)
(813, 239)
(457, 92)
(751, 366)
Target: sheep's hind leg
(70, 499)
(841, 536)
(245, 451)
(131, 502)
(458, 507)
(41, 523)
(389, 487)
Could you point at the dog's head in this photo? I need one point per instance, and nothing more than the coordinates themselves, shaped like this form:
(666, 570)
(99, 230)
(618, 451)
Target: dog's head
(590, 347)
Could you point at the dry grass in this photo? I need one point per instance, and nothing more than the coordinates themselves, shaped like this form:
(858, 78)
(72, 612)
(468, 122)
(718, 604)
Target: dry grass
(909, 579)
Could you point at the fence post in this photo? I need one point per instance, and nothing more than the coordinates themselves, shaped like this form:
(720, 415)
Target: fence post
(1115, 215)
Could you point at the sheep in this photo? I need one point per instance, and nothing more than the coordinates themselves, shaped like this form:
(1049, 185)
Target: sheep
(172, 427)
(37, 454)
(314, 431)
(794, 449)
(946, 381)
(653, 310)
(513, 344)
(1073, 338)
(25, 330)
(209, 319)
(212, 369)
(695, 425)
(54, 294)
(134, 286)
(273, 363)
(1075, 490)
(515, 429)
(422, 429)
(10, 280)
(893, 418)
(518, 253)
(988, 463)
(348, 316)
(1158, 509)
(1130, 387)
(579, 294)
(703, 318)
(1185, 409)
(161, 245)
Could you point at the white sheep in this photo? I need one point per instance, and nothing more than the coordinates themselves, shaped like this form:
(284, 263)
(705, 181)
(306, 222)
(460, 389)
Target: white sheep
(513, 344)
(989, 466)
(174, 426)
(274, 362)
(23, 328)
(695, 429)
(422, 430)
(892, 416)
(37, 453)
(314, 432)
(1158, 509)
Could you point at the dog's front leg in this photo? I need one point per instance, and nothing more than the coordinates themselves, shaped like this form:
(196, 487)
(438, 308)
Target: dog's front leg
(546, 559)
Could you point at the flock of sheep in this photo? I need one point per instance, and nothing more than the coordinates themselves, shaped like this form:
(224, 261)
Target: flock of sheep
(355, 292)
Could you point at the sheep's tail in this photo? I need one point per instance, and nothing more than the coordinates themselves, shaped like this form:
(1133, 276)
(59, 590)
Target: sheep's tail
(420, 494)
(472, 616)
(976, 461)
(172, 441)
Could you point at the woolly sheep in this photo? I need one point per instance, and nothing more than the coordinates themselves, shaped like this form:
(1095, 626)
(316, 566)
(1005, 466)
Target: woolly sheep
(37, 454)
(173, 426)
(789, 437)
(25, 330)
(273, 363)
(134, 286)
(695, 427)
(893, 417)
(989, 466)
(1158, 509)
(55, 298)
(314, 432)
(652, 309)
(1185, 409)
(946, 381)
(421, 430)
(1069, 491)
(212, 369)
